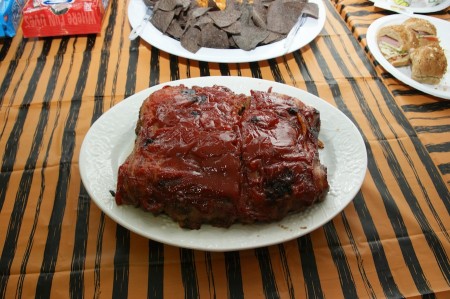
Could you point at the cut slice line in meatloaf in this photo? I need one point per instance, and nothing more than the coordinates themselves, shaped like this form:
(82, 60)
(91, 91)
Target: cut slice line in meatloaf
(206, 155)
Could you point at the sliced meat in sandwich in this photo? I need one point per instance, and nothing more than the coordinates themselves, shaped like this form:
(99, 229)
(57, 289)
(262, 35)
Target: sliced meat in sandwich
(428, 64)
(424, 30)
(395, 42)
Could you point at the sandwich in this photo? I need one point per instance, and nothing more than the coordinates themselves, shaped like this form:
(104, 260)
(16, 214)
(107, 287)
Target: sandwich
(425, 31)
(395, 42)
(428, 64)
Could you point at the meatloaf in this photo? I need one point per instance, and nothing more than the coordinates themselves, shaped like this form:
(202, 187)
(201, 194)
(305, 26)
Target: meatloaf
(206, 155)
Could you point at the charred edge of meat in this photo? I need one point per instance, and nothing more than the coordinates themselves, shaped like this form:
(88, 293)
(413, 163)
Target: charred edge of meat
(148, 141)
(193, 96)
(200, 98)
(320, 144)
(195, 113)
(315, 124)
(255, 119)
(242, 110)
(191, 218)
(244, 106)
(292, 110)
(164, 184)
(315, 133)
(188, 92)
(139, 122)
(279, 186)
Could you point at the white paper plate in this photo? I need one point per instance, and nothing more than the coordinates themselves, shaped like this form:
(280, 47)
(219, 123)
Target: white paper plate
(111, 138)
(309, 31)
(417, 6)
(403, 74)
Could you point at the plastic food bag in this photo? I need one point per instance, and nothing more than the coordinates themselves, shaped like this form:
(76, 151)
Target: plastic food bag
(10, 15)
(62, 17)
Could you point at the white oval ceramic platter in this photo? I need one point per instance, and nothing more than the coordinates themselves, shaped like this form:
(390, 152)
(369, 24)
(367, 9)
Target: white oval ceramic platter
(111, 138)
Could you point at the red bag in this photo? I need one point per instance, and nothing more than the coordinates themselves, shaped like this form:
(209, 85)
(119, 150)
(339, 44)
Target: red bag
(62, 17)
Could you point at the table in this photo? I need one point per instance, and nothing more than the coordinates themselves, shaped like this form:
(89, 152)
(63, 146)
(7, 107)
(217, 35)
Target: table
(391, 241)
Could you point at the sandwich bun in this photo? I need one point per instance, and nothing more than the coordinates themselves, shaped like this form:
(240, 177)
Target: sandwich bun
(395, 42)
(428, 64)
(425, 31)
(404, 36)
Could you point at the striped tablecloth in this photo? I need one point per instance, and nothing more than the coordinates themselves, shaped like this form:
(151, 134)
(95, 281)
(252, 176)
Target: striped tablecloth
(391, 241)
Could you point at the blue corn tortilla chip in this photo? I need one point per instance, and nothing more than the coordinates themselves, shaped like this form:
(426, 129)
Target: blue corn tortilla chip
(224, 18)
(250, 37)
(161, 19)
(213, 37)
(240, 25)
(282, 16)
(191, 39)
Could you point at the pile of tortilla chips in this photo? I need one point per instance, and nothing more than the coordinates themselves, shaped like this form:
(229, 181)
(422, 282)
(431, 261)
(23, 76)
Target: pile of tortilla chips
(243, 24)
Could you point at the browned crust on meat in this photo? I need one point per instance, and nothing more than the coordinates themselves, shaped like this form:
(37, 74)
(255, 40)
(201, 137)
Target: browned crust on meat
(208, 155)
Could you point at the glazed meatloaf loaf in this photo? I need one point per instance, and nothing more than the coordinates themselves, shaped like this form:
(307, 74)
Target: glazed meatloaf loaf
(209, 155)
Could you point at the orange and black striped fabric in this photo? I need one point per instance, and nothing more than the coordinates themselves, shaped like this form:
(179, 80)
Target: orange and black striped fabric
(391, 241)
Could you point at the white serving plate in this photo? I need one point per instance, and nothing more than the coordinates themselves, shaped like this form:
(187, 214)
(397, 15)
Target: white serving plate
(308, 32)
(421, 7)
(111, 138)
(441, 90)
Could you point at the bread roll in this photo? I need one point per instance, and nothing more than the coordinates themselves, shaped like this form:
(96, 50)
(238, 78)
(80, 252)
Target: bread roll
(395, 42)
(428, 64)
(425, 31)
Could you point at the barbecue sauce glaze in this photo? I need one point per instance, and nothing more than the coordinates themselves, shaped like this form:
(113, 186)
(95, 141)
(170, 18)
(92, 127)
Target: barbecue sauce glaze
(208, 155)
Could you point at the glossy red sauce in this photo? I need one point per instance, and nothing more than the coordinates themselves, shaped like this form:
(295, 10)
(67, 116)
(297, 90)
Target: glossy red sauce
(210, 155)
